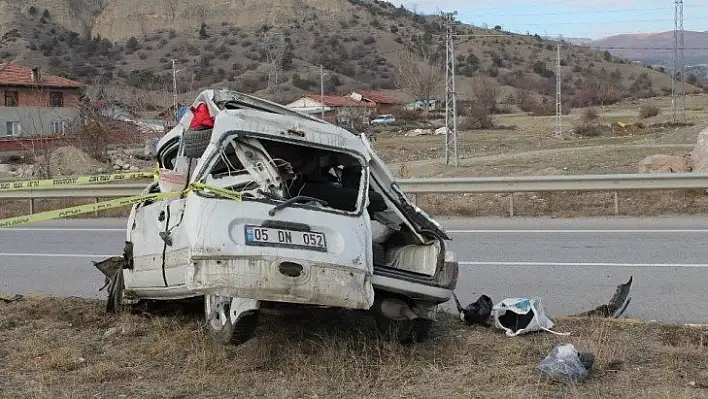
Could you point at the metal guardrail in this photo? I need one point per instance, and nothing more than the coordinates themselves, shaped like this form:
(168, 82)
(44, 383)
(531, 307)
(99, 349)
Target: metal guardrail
(516, 184)
(89, 191)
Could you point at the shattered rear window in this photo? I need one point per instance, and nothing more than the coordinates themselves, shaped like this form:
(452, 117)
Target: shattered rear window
(278, 171)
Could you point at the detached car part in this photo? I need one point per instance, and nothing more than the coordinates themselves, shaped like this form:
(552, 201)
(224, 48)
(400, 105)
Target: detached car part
(616, 306)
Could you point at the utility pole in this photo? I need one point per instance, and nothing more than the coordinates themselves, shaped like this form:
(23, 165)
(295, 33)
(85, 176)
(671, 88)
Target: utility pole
(322, 90)
(559, 80)
(174, 86)
(679, 66)
(450, 93)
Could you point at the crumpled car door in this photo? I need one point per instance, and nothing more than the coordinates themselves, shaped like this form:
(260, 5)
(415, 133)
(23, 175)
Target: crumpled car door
(148, 247)
(414, 217)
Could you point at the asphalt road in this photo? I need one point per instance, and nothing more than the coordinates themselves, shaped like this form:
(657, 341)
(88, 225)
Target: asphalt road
(573, 265)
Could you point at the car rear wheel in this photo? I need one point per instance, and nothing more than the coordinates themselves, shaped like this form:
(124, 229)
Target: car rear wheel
(404, 331)
(393, 321)
(230, 320)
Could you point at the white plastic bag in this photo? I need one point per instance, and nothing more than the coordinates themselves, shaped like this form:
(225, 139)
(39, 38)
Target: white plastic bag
(518, 316)
(563, 364)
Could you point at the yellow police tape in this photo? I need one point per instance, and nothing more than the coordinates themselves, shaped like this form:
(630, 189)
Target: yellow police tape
(116, 203)
(222, 192)
(73, 181)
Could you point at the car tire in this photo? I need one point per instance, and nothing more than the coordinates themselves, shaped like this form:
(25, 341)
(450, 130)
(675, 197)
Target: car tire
(196, 142)
(404, 331)
(225, 332)
(239, 333)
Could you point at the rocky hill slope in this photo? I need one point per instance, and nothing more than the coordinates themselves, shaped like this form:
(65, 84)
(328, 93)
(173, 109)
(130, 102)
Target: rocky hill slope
(275, 48)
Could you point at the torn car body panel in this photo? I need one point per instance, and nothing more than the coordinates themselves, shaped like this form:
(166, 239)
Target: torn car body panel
(616, 306)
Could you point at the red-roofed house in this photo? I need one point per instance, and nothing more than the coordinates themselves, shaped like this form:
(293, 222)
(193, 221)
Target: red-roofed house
(341, 110)
(384, 103)
(32, 102)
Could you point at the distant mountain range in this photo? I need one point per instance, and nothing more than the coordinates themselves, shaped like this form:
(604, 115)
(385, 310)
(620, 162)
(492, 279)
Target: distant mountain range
(655, 48)
(579, 41)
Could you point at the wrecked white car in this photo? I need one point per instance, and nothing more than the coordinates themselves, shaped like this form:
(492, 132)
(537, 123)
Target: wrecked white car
(286, 210)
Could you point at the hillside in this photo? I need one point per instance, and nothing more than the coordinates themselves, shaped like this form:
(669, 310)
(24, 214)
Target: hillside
(275, 49)
(641, 47)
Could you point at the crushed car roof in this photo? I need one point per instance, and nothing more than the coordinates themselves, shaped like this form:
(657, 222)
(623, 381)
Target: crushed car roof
(243, 112)
(286, 127)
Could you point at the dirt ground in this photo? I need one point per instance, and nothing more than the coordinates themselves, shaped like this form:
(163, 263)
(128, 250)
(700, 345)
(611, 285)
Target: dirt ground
(69, 348)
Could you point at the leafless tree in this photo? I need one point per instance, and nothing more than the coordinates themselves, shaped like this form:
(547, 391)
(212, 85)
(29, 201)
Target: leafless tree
(485, 93)
(421, 75)
(274, 48)
(94, 129)
(525, 99)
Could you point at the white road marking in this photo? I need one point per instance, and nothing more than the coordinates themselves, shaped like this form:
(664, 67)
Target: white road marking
(586, 264)
(576, 231)
(485, 231)
(61, 229)
(10, 254)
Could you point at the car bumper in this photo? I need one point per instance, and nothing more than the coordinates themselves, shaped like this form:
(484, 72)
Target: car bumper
(437, 289)
(416, 291)
(272, 279)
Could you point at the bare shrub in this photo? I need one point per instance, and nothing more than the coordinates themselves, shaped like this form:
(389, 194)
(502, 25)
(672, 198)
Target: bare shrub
(476, 117)
(648, 111)
(17, 159)
(590, 114)
(543, 109)
(485, 93)
(408, 115)
(588, 130)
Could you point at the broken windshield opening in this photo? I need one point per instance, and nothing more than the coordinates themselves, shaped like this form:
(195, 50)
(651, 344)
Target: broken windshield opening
(263, 169)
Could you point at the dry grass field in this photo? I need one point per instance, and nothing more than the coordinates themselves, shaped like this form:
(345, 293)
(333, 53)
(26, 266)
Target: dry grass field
(69, 348)
(531, 148)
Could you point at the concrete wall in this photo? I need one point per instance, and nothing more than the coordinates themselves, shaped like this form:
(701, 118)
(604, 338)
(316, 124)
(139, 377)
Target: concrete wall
(36, 120)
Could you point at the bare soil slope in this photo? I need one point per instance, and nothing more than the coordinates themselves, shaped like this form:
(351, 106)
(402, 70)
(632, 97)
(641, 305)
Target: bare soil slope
(129, 43)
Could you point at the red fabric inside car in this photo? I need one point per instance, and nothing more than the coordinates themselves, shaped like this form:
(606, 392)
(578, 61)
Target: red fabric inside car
(201, 117)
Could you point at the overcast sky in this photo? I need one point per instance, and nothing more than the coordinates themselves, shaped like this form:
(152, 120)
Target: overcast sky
(571, 18)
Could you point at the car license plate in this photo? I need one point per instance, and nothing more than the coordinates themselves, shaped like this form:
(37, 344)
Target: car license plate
(270, 237)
